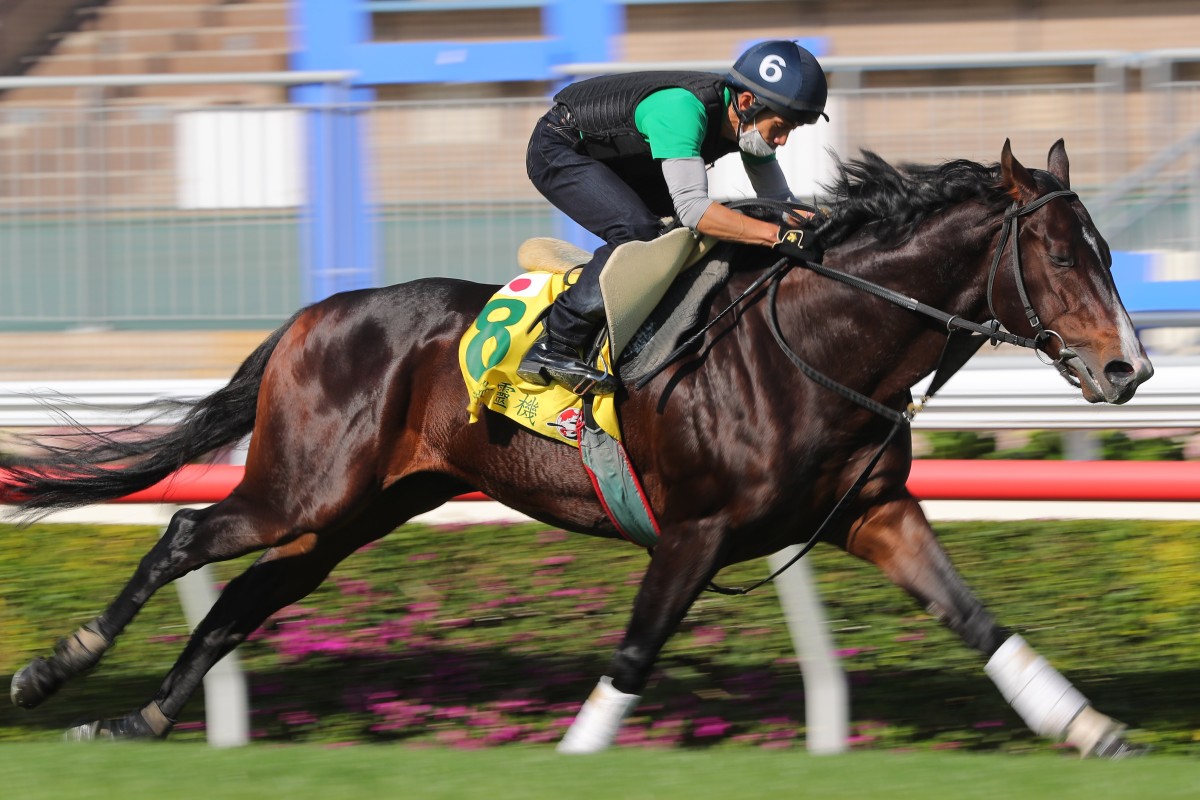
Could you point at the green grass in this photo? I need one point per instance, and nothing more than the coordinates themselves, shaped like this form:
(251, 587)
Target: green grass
(34, 772)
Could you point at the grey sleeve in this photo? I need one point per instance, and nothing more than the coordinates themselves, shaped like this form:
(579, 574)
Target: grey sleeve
(768, 180)
(687, 180)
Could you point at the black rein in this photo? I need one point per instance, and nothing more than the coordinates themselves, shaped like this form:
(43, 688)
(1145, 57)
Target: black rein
(955, 354)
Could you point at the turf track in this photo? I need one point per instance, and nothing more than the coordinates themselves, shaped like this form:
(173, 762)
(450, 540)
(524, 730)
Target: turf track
(37, 771)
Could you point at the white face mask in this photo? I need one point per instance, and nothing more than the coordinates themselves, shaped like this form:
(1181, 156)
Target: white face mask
(751, 142)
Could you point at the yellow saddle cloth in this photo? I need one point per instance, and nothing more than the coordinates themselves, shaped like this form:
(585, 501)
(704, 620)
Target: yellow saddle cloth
(492, 347)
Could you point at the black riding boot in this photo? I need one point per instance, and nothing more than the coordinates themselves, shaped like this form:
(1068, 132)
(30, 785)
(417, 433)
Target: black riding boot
(552, 359)
(568, 333)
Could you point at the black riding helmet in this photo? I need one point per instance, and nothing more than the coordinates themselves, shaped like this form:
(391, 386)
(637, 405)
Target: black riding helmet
(783, 77)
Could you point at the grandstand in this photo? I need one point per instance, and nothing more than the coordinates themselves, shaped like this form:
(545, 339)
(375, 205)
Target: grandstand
(163, 190)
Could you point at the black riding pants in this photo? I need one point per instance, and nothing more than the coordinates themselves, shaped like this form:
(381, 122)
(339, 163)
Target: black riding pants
(596, 197)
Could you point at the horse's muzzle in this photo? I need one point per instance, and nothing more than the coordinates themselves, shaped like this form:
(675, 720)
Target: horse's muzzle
(1116, 383)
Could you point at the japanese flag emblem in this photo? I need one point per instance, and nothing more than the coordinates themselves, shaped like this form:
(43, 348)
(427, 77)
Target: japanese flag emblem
(528, 285)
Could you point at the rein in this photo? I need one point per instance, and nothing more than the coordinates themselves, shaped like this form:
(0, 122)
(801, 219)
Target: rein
(956, 352)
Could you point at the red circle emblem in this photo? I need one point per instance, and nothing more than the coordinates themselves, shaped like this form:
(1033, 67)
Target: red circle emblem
(520, 284)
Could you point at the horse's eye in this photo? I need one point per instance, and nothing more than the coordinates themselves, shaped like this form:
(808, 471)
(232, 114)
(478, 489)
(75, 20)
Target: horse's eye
(1062, 261)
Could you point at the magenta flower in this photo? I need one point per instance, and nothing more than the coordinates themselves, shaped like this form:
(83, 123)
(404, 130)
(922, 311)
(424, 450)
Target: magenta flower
(709, 635)
(710, 727)
(297, 718)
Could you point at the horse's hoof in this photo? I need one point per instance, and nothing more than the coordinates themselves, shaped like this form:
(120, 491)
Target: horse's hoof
(1116, 747)
(33, 683)
(87, 732)
(129, 727)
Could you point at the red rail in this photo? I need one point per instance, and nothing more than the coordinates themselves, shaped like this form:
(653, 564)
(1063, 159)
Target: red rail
(930, 480)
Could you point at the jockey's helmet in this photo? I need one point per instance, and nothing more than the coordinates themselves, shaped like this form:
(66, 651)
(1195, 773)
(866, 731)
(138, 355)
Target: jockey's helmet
(782, 76)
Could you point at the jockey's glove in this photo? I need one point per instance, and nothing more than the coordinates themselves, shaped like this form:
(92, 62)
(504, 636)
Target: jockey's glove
(799, 244)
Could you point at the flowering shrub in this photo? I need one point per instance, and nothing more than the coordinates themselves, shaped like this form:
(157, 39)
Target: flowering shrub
(489, 636)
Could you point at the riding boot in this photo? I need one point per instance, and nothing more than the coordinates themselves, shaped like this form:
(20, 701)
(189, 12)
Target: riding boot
(552, 359)
(568, 331)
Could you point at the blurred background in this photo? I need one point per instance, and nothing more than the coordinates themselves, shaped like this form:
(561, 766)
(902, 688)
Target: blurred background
(208, 167)
(178, 176)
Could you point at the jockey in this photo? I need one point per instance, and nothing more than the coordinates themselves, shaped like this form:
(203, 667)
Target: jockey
(617, 153)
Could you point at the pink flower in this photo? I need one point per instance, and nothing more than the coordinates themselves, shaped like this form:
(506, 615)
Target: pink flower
(778, 744)
(709, 635)
(710, 727)
(297, 718)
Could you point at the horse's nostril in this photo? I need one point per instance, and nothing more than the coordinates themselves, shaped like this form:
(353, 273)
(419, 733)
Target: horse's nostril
(1119, 372)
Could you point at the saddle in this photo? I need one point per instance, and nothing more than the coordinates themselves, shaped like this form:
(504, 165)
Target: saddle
(641, 328)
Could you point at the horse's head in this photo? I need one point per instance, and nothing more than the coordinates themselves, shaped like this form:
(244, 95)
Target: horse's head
(1064, 264)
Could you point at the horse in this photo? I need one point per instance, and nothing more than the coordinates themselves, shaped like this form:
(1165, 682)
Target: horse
(354, 409)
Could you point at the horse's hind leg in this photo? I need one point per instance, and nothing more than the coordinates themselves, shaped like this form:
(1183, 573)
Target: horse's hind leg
(193, 538)
(898, 539)
(281, 576)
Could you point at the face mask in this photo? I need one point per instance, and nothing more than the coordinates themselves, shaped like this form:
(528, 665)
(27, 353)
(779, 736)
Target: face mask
(751, 142)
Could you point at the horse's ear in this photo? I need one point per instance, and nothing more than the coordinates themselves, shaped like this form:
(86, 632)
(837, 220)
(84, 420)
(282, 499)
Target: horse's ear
(1057, 164)
(1017, 180)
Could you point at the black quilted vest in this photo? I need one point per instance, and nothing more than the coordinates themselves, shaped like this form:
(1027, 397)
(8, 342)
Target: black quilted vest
(601, 109)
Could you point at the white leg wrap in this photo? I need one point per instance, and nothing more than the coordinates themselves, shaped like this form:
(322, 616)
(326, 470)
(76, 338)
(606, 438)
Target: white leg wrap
(599, 719)
(1037, 691)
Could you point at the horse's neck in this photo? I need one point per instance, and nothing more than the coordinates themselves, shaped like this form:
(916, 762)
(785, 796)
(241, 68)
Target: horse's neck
(944, 266)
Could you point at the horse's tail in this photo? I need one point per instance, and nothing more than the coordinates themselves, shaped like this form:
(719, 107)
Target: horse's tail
(110, 465)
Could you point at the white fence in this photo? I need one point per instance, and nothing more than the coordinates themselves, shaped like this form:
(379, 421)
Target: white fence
(990, 393)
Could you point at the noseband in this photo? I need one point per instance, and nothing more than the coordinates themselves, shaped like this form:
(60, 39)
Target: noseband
(1011, 230)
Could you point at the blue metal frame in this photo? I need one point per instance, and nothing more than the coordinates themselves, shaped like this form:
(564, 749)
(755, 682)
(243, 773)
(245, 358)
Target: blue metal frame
(328, 34)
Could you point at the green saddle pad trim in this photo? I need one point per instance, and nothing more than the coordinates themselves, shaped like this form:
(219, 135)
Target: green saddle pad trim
(617, 487)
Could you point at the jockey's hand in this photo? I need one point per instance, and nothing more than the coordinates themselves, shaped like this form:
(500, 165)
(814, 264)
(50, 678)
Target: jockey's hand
(799, 244)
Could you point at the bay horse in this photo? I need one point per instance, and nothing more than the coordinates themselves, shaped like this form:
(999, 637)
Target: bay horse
(355, 408)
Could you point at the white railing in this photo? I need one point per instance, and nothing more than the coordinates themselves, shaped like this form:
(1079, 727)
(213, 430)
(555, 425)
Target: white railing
(990, 393)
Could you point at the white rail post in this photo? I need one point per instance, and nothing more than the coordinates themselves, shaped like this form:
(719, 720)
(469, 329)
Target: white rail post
(826, 692)
(226, 697)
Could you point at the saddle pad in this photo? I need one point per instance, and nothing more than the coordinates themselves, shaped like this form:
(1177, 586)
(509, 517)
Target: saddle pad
(681, 311)
(493, 345)
(545, 254)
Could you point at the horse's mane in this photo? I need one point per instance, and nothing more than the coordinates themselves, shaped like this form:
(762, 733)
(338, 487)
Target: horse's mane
(891, 202)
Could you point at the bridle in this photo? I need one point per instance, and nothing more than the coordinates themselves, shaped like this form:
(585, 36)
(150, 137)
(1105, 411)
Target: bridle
(1011, 230)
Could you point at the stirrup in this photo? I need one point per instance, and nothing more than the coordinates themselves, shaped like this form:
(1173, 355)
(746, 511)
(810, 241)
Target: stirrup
(601, 383)
(583, 379)
(543, 364)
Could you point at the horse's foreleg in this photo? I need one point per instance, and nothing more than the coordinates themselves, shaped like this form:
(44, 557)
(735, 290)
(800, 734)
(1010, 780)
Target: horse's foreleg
(193, 538)
(680, 569)
(898, 539)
